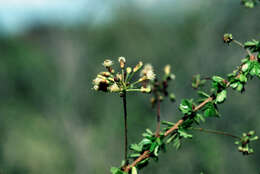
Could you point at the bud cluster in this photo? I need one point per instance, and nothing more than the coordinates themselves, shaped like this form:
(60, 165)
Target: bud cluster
(160, 88)
(227, 38)
(244, 142)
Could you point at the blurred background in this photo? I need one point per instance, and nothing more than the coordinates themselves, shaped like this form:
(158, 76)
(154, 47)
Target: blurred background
(51, 121)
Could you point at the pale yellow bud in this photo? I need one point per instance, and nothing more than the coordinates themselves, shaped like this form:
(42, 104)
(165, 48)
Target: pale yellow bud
(106, 74)
(119, 76)
(167, 70)
(95, 87)
(145, 90)
(138, 66)
(114, 88)
(121, 61)
(107, 63)
(128, 70)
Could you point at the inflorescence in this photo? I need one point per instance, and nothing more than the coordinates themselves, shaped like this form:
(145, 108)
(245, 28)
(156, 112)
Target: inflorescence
(122, 81)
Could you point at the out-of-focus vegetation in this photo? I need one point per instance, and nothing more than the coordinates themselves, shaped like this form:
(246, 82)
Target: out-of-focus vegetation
(52, 122)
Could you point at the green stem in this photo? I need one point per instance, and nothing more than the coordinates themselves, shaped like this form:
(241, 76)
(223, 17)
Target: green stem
(130, 76)
(136, 82)
(133, 90)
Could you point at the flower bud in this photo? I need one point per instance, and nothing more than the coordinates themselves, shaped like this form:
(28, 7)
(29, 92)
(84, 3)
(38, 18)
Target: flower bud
(167, 70)
(128, 70)
(227, 38)
(145, 90)
(138, 66)
(107, 63)
(95, 87)
(114, 88)
(106, 74)
(121, 61)
(172, 97)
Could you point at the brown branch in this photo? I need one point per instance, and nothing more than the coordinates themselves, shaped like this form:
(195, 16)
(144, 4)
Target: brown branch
(202, 104)
(173, 128)
(146, 153)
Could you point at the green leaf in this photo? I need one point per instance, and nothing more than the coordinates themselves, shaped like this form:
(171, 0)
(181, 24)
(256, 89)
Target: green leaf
(153, 146)
(218, 79)
(177, 143)
(144, 161)
(242, 78)
(184, 134)
(168, 123)
(156, 150)
(254, 138)
(245, 66)
(159, 141)
(146, 135)
(136, 147)
(253, 71)
(199, 117)
(240, 87)
(134, 155)
(171, 138)
(250, 44)
(134, 170)
(210, 110)
(115, 170)
(234, 85)
(149, 131)
(221, 96)
(145, 141)
(186, 106)
(203, 94)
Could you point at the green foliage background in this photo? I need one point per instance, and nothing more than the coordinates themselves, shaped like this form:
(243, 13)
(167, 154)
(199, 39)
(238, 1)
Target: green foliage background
(52, 122)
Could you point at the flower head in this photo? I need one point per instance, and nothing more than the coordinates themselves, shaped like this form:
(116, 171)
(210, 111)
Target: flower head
(148, 72)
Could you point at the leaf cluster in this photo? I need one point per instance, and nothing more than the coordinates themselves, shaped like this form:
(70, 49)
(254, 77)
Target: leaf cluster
(249, 3)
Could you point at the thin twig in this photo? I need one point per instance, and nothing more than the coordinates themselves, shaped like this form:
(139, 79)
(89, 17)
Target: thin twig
(216, 132)
(157, 133)
(125, 122)
(241, 45)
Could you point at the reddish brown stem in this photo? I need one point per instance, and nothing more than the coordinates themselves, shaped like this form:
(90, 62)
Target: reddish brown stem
(146, 153)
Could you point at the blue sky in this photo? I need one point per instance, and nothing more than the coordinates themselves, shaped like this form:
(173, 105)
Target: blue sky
(17, 15)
